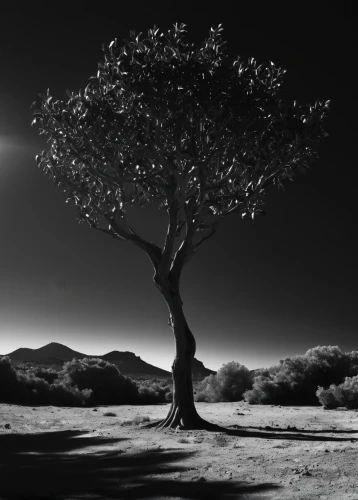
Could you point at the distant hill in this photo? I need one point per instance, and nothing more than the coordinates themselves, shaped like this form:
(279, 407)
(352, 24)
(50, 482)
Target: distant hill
(127, 362)
(52, 350)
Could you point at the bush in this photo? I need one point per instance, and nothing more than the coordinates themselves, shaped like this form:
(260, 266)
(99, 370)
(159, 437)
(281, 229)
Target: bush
(227, 385)
(47, 374)
(10, 387)
(353, 363)
(137, 420)
(345, 394)
(21, 387)
(105, 380)
(152, 393)
(295, 380)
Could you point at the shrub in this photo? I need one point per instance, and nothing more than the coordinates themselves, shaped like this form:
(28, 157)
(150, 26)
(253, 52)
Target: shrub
(183, 441)
(353, 363)
(295, 380)
(47, 374)
(62, 394)
(138, 419)
(9, 384)
(228, 384)
(105, 380)
(24, 387)
(153, 393)
(345, 394)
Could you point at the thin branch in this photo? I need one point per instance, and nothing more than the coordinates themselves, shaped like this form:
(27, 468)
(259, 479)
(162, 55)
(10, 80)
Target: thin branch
(207, 237)
(111, 232)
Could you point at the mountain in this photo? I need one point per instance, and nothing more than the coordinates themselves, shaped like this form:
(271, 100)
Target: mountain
(52, 350)
(199, 370)
(127, 362)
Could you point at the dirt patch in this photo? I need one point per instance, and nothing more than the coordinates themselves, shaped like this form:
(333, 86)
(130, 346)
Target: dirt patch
(264, 452)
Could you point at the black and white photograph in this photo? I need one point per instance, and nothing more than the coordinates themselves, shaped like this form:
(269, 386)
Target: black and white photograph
(178, 250)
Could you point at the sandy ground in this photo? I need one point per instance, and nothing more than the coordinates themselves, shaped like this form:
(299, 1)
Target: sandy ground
(265, 452)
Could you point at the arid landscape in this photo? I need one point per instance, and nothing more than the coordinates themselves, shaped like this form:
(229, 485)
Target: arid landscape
(262, 451)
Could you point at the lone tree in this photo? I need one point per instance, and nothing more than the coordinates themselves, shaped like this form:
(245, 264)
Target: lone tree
(169, 122)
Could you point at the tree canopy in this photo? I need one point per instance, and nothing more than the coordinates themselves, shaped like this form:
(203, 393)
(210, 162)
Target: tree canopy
(182, 126)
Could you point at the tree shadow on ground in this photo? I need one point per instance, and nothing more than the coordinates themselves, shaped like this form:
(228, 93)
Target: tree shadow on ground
(290, 429)
(286, 434)
(54, 465)
(264, 433)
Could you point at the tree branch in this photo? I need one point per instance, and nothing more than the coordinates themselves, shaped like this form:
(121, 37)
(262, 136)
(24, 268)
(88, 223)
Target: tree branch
(173, 212)
(111, 232)
(186, 249)
(207, 237)
(152, 250)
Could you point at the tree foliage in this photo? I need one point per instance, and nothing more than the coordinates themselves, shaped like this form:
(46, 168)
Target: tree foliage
(180, 125)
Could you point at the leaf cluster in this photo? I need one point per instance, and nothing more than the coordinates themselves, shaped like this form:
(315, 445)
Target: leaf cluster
(165, 121)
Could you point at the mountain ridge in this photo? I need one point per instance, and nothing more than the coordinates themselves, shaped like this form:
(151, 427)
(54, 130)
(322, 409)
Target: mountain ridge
(126, 361)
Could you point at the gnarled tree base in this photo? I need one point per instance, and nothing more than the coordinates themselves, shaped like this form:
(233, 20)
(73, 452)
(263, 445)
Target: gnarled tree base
(191, 421)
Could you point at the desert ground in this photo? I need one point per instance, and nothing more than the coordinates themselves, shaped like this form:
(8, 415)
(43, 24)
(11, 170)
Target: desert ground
(262, 452)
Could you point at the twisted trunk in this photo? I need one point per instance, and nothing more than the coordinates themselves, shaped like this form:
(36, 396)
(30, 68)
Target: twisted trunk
(182, 412)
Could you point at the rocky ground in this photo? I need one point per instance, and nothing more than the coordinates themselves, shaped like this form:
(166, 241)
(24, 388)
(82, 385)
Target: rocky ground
(265, 452)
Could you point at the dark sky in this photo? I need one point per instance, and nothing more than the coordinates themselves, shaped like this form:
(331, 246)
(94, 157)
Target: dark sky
(259, 290)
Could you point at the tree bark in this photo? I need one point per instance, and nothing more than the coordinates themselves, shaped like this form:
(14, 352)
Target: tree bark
(182, 412)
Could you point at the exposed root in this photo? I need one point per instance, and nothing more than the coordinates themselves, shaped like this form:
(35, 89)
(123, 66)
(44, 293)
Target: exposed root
(151, 424)
(174, 422)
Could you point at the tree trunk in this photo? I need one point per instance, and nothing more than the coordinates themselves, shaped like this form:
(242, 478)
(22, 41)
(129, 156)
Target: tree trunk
(182, 412)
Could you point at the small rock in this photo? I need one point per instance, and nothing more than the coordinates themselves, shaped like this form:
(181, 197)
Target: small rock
(198, 478)
(7, 426)
(94, 409)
